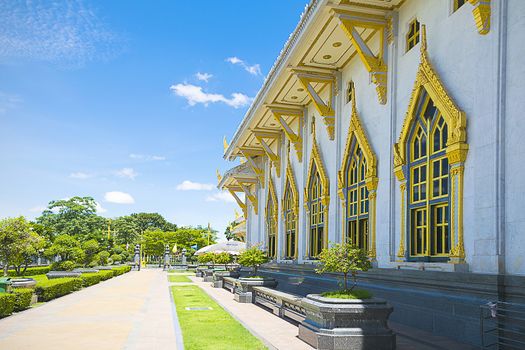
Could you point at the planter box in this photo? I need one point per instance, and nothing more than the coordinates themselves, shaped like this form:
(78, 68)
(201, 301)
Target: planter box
(208, 275)
(244, 292)
(346, 323)
(61, 274)
(218, 277)
(199, 272)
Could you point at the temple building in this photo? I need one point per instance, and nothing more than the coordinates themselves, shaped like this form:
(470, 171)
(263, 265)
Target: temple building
(394, 125)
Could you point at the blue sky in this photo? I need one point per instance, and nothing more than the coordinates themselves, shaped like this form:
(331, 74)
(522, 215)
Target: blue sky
(104, 99)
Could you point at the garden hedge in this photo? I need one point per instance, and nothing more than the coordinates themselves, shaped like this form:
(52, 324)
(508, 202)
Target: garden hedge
(89, 279)
(23, 298)
(106, 274)
(31, 271)
(51, 289)
(121, 270)
(7, 304)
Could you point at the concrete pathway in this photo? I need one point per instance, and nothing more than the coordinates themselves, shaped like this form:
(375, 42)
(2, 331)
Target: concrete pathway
(275, 332)
(133, 311)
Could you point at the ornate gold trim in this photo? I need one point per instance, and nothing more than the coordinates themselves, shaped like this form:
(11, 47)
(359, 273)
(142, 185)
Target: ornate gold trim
(290, 179)
(275, 211)
(481, 13)
(456, 150)
(357, 132)
(427, 79)
(316, 159)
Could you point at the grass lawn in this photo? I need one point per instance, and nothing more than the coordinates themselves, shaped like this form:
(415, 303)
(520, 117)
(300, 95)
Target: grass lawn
(38, 278)
(212, 329)
(178, 278)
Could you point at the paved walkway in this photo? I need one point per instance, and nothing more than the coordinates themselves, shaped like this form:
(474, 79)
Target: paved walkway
(133, 311)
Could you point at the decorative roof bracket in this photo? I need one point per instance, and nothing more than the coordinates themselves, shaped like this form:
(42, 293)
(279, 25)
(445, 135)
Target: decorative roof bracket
(375, 65)
(481, 14)
(295, 137)
(325, 109)
(262, 136)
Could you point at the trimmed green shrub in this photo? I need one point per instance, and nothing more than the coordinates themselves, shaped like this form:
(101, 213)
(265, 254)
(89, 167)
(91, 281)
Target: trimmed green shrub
(89, 279)
(23, 298)
(121, 270)
(7, 304)
(63, 266)
(106, 274)
(51, 289)
(31, 271)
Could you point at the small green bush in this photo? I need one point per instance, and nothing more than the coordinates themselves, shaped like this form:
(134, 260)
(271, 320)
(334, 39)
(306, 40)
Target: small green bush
(7, 304)
(106, 274)
(23, 298)
(31, 271)
(121, 270)
(63, 266)
(51, 289)
(116, 258)
(89, 279)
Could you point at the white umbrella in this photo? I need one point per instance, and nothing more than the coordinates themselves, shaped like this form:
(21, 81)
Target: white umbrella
(231, 247)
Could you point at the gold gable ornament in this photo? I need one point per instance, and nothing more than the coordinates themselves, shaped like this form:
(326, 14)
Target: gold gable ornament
(357, 132)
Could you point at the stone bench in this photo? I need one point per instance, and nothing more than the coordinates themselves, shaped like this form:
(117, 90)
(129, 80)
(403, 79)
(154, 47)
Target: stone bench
(228, 283)
(284, 305)
(218, 277)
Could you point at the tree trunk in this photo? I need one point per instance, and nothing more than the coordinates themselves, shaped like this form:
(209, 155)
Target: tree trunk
(346, 280)
(354, 275)
(6, 268)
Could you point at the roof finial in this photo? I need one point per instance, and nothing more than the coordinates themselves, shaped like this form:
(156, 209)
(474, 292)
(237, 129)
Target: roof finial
(225, 144)
(423, 38)
(219, 176)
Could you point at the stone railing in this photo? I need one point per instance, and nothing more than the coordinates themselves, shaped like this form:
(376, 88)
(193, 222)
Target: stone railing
(281, 304)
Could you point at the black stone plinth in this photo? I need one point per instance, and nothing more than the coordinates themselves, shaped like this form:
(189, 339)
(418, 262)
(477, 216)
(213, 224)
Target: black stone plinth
(244, 288)
(334, 324)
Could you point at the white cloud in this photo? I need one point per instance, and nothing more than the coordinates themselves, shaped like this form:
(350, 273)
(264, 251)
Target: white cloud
(80, 175)
(100, 209)
(194, 94)
(8, 102)
(254, 69)
(119, 197)
(126, 173)
(146, 157)
(194, 186)
(203, 76)
(38, 209)
(54, 31)
(221, 196)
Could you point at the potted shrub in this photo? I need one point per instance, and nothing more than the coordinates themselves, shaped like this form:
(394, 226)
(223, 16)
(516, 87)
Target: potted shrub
(252, 257)
(203, 259)
(348, 318)
(223, 258)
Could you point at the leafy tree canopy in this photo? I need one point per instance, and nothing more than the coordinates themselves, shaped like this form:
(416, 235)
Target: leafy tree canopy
(74, 216)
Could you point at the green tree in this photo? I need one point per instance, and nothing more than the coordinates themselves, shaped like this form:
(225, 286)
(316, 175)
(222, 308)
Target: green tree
(153, 242)
(18, 243)
(67, 248)
(346, 259)
(90, 248)
(253, 257)
(223, 258)
(205, 258)
(75, 217)
(146, 221)
(228, 233)
(127, 230)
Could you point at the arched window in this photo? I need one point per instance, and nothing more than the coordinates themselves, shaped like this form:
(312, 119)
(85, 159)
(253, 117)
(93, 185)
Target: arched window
(412, 37)
(357, 187)
(429, 162)
(429, 181)
(357, 200)
(315, 204)
(290, 223)
(316, 200)
(271, 221)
